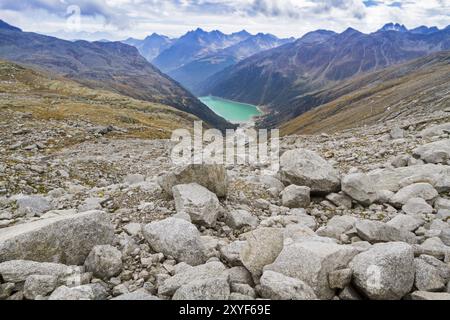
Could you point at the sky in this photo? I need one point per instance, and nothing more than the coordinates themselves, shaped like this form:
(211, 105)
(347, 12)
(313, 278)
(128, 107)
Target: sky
(120, 19)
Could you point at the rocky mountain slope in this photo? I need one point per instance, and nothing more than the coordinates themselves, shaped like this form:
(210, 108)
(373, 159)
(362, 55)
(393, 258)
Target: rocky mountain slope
(357, 214)
(102, 65)
(280, 78)
(417, 87)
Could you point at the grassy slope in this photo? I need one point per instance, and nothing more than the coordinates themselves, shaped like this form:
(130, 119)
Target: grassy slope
(49, 97)
(411, 88)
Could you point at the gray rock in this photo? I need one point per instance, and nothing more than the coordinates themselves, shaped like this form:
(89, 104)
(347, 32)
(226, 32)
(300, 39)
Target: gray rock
(435, 152)
(140, 294)
(39, 285)
(406, 222)
(311, 262)
(295, 196)
(133, 228)
(340, 200)
(339, 279)
(442, 267)
(276, 286)
(32, 205)
(306, 168)
(300, 217)
(239, 275)
(416, 206)
(198, 202)
(211, 176)
(66, 239)
(397, 133)
(418, 190)
(177, 238)
(443, 214)
(433, 247)
(397, 178)
(210, 270)
(436, 130)
(442, 184)
(204, 289)
(385, 271)
(104, 262)
(262, 247)
(238, 219)
(423, 295)
(231, 253)
(243, 289)
(445, 237)
(336, 226)
(84, 292)
(442, 203)
(428, 277)
(376, 231)
(19, 270)
(359, 187)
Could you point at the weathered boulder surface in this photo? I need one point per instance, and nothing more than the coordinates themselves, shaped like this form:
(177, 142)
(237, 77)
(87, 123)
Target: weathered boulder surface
(306, 168)
(65, 239)
(211, 176)
(311, 262)
(424, 191)
(198, 202)
(435, 152)
(377, 231)
(262, 247)
(385, 271)
(104, 262)
(204, 289)
(359, 187)
(178, 238)
(395, 179)
(296, 196)
(276, 286)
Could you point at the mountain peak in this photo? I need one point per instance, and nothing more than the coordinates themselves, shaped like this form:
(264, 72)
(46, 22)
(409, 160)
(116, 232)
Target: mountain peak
(393, 27)
(241, 33)
(6, 26)
(424, 30)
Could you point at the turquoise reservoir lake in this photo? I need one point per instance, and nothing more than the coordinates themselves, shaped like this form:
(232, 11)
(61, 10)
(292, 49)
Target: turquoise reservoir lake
(232, 111)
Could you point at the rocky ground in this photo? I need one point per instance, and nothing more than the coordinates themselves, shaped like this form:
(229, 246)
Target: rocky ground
(360, 214)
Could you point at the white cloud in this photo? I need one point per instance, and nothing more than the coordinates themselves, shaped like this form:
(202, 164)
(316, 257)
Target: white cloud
(119, 19)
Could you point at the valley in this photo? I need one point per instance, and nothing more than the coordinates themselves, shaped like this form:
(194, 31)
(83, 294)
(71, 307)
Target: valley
(233, 111)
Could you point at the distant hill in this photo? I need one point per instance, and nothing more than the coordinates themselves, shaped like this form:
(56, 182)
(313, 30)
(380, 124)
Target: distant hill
(46, 96)
(418, 87)
(111, 66)
(283, 79)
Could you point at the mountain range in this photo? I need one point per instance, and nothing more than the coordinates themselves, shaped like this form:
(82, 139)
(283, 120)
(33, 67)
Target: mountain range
(112, 66)
(199, 54)
(284, 80)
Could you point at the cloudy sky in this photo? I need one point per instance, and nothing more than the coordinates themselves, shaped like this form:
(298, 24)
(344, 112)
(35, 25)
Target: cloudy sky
(119, 19)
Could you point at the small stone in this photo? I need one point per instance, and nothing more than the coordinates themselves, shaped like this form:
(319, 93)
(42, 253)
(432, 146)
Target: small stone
(104, 262)
(39, 285)
(295, 196)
